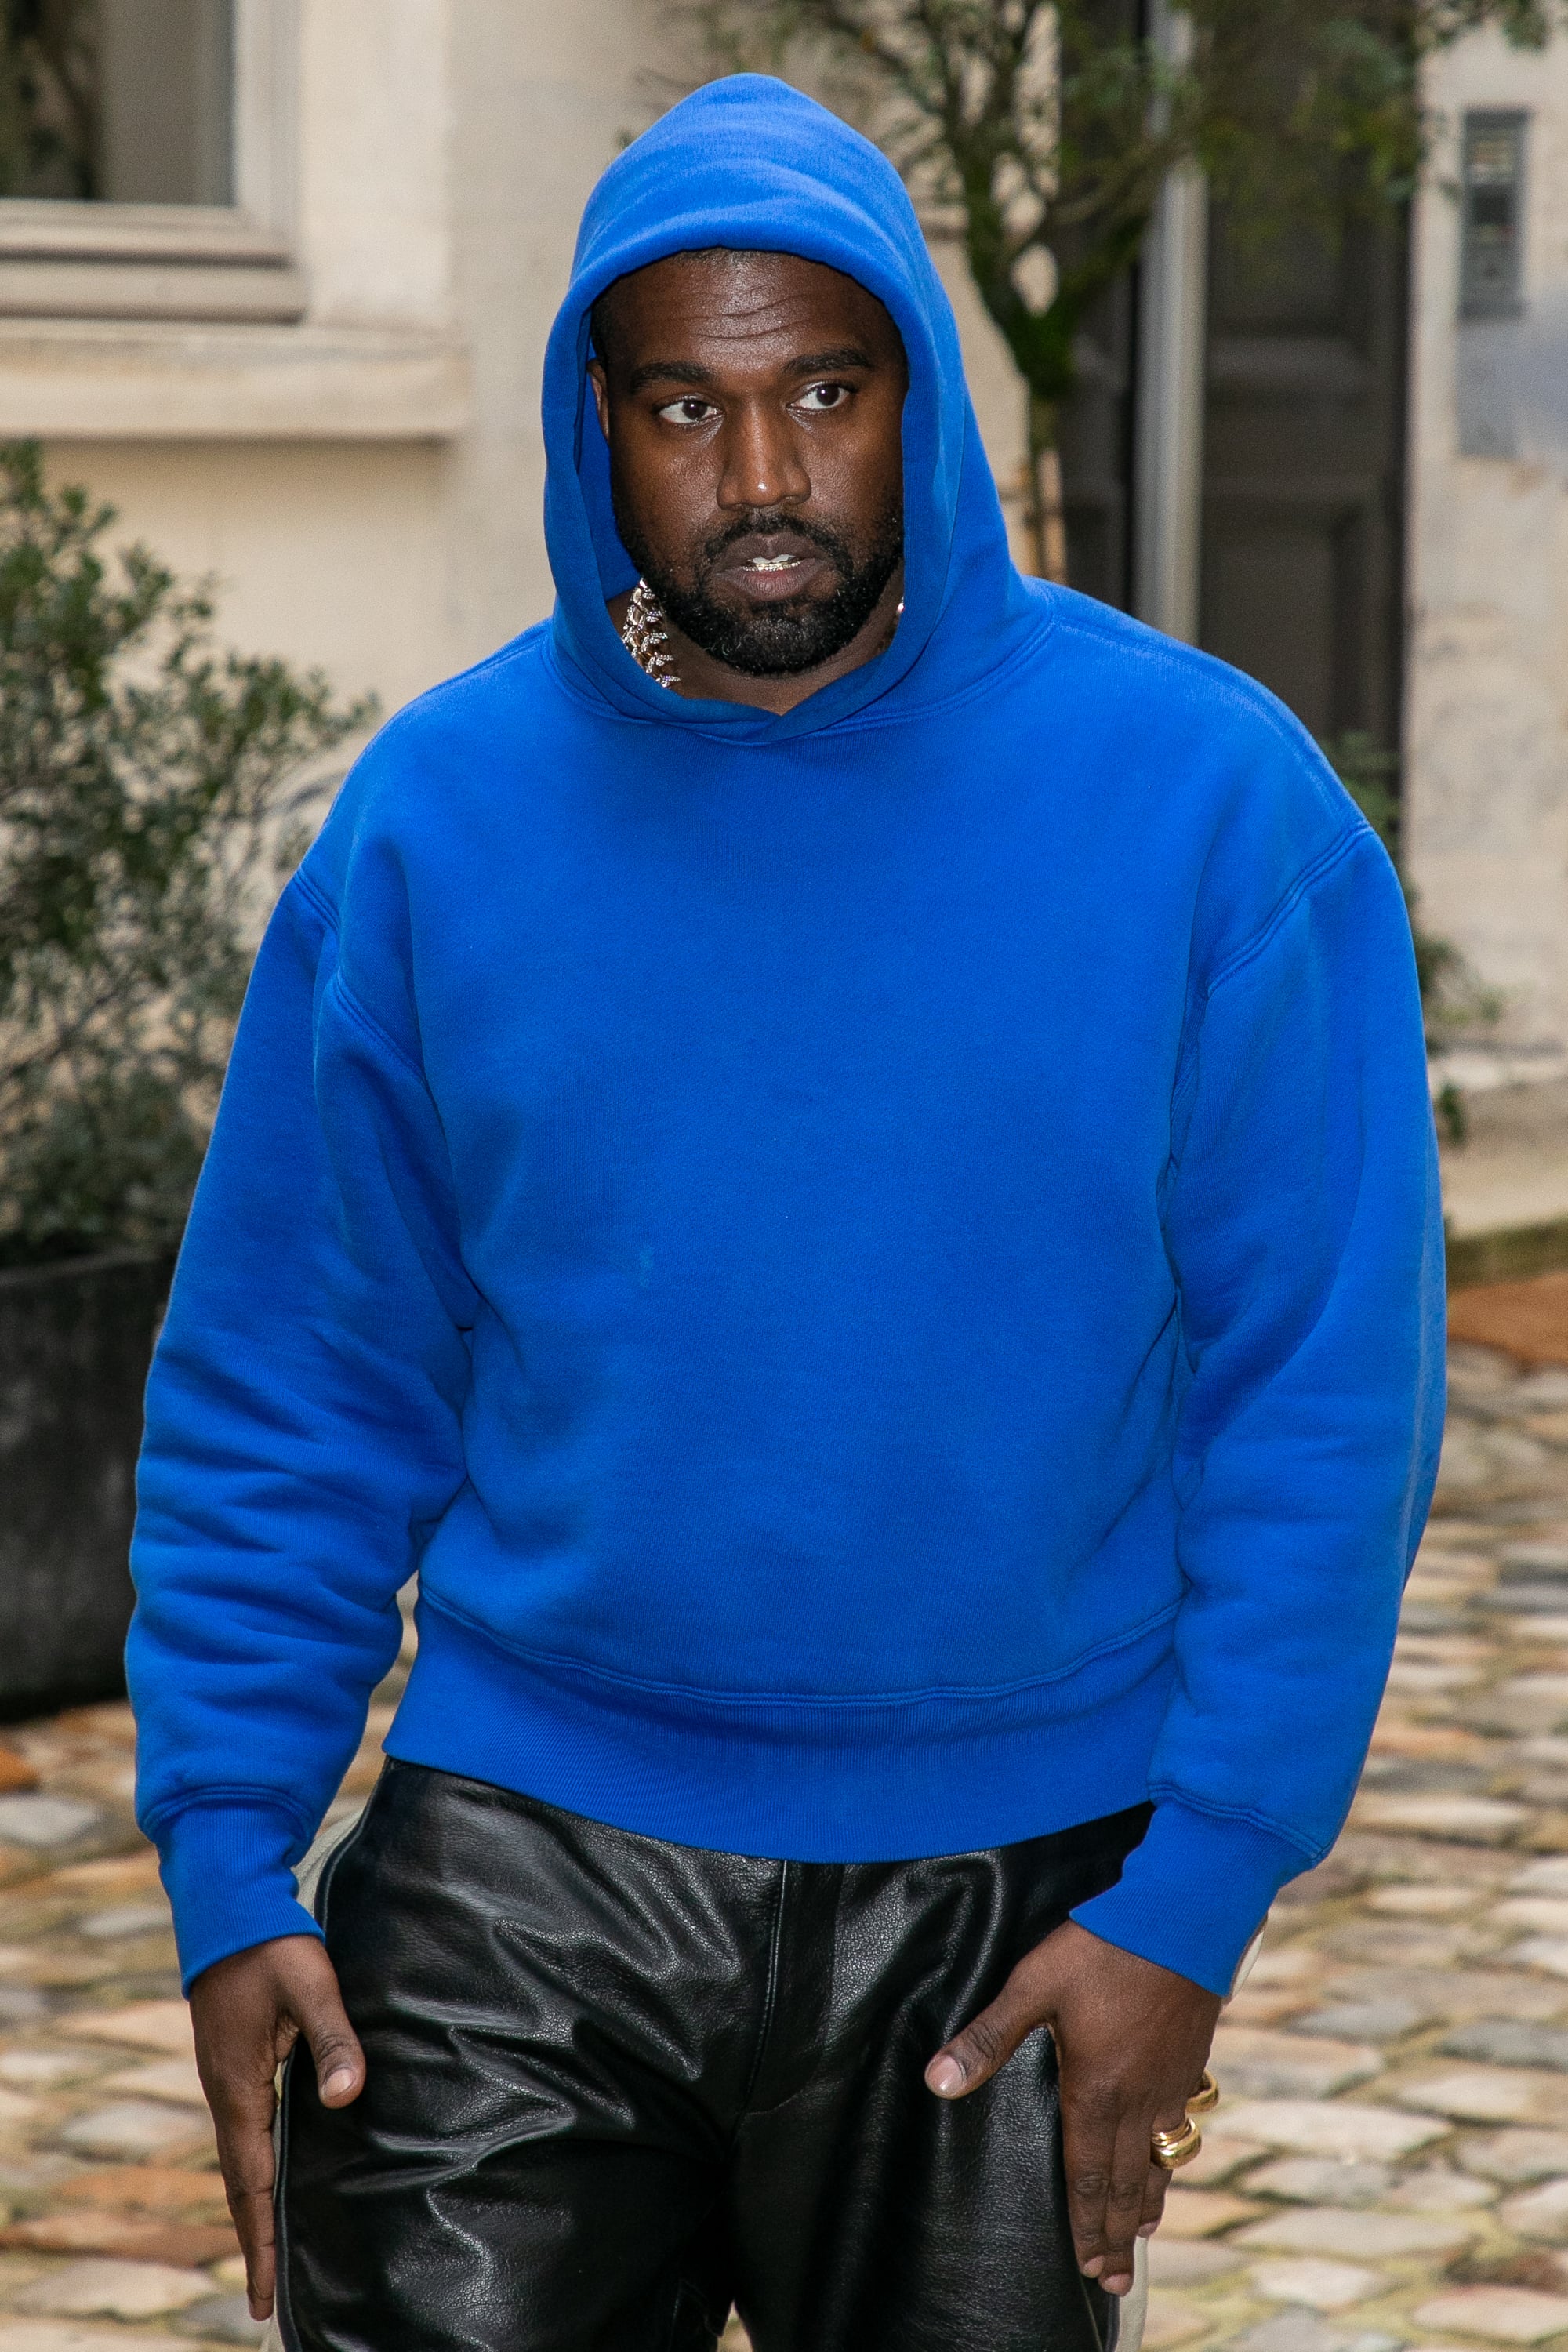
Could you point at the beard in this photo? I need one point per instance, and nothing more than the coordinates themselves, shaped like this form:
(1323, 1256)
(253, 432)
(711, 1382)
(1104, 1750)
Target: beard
(777, 640)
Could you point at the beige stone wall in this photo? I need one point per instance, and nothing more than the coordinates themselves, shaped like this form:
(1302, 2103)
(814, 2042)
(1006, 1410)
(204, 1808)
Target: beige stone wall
(1487, 712)
(366, 481)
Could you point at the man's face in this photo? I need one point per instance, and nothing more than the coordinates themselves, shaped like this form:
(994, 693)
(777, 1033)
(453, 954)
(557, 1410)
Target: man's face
(753, 403)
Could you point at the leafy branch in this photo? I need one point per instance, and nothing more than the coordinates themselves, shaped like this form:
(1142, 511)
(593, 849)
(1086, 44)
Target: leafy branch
(1039, 133)
(150, 793)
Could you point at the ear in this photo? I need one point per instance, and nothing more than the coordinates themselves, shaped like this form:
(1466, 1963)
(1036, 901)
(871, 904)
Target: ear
(600, 382)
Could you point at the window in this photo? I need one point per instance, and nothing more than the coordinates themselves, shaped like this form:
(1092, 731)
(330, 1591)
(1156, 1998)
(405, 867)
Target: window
(1493, 194)
(117, 101)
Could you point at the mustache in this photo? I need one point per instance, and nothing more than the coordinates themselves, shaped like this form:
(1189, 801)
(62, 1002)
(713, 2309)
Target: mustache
(765, 520)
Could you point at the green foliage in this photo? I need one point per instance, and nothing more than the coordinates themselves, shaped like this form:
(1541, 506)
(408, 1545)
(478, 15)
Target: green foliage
(145, 784)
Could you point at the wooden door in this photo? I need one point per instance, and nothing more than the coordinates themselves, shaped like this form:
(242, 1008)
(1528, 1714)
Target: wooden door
(1303, 539)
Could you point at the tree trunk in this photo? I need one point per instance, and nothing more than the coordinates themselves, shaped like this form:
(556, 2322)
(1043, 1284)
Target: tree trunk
(1046, 514)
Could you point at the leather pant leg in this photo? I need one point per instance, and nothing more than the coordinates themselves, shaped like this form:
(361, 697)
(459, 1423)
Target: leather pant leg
(558, 2029)
(614, 2084)
(866, 2215)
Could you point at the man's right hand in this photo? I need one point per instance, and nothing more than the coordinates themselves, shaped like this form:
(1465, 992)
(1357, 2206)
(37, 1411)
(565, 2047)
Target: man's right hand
(247, 2013)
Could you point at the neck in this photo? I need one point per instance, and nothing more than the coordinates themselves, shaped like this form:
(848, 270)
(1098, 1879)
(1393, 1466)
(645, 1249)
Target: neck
(702, 679)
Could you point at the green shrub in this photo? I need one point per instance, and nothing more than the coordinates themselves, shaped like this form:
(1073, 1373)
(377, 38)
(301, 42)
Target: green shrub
(146, 783)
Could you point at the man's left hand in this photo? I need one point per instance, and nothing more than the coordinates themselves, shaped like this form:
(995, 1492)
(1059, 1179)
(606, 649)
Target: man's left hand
(1133, 2040)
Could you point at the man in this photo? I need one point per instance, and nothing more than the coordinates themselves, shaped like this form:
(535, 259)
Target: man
(834, 1147)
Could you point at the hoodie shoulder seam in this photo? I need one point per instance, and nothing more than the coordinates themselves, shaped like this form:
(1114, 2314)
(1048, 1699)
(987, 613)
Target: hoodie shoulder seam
(308, 888)
(1316, 872)
(366, 1020)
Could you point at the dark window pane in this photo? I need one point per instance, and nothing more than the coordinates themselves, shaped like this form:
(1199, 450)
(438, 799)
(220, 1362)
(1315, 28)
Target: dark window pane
(124, 101)
(1490, 280)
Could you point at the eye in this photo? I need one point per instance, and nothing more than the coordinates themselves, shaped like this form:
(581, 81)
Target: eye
(822, 399)
(690, 409)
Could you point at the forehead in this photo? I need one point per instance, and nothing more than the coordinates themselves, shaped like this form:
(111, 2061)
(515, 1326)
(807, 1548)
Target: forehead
(742, 304)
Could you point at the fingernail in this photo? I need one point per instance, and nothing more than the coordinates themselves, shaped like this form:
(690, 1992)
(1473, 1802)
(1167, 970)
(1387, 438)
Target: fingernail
(1118, 2284)
(342, 2079)
(944, 2075)
(1095, 2264)
(1147, 2229)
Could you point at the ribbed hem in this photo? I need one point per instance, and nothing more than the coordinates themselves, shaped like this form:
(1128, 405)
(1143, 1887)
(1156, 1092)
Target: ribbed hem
(842, 1780)
(227, 1871)
(1193, 1895)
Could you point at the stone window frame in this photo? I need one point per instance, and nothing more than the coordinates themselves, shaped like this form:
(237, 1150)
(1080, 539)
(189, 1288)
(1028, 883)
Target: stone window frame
(100, 261)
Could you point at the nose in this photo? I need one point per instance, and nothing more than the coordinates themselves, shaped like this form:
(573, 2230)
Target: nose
(762, 464)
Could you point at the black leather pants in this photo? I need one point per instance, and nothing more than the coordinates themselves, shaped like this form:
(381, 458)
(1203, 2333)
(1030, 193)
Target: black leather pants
(615, 2084)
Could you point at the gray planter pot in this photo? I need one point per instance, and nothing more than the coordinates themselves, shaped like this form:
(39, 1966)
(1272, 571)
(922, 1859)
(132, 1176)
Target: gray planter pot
(75, 1343)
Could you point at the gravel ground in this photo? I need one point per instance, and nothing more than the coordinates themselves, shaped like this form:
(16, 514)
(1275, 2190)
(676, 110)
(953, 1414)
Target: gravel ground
(1388, 2167)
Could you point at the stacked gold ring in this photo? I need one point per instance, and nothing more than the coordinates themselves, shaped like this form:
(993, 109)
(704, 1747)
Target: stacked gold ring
(1171, 2150)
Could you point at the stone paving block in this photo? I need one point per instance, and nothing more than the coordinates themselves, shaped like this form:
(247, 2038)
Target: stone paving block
(1541, 2213)
(1364, 2020)
(1507, 2042)
(16, 2107)
(1549, 1874)
(67, 2335)
(1465, 1992)
(1332, 2230)
(1219, 2158)
(142, 2024)
(44, 1820)
(174, 2080)
(125, 1919)
(1524, 1560)
(149, 2187)
(1548, 1952)
(1438, 1902)
(1303, 2331)
(1322, 2180)
(137, 2127)
(1505, 2314)
(1198, 2212)
(1169, 2321)
(1185, 2262)
(1548, 1913)
(1250, 2062)
(1516, 2157)
(1473, 1821)
(44, 2068)
(1441, 2188)
(225, 2319)
(1323, 2286)
(1396, 1944)
(92, 2290)
(138, 2237)
(1486, 2095)
(1333, 2127)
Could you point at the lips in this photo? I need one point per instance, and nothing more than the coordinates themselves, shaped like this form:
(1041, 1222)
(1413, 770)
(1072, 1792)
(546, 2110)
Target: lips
(766, 565)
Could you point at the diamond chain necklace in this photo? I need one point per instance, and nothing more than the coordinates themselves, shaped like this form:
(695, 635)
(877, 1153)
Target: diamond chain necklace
(645, 638)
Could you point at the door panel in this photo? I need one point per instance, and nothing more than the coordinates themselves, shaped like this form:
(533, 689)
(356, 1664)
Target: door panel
(1303, 471)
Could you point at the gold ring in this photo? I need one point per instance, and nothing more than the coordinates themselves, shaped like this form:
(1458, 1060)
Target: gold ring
(1206, 2096)
(1171, 2150)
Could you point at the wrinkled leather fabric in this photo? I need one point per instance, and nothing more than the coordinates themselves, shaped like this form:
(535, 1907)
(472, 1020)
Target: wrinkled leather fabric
(615, 2084)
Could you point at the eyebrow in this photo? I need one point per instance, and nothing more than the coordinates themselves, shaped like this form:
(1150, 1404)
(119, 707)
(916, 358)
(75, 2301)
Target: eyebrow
(841, 355)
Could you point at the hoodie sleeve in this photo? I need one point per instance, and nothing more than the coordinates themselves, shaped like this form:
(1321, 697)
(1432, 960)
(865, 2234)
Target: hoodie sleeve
(303, 1434)
(1304, 1228)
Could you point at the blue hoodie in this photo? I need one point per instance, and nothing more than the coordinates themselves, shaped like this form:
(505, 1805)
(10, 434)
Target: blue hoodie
(883, 1264)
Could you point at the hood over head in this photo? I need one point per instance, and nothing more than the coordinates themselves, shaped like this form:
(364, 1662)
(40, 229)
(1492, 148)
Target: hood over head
(751, 164)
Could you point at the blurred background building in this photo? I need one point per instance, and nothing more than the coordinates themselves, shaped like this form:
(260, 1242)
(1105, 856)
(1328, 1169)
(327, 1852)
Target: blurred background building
(276, 276)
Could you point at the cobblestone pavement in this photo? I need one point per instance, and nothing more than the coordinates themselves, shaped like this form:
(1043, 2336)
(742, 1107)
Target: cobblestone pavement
(1389, 2166)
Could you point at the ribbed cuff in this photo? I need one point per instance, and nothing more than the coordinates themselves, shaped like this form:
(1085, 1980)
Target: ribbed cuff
(226, 1869)
(1193, 1895)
